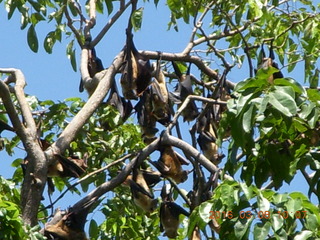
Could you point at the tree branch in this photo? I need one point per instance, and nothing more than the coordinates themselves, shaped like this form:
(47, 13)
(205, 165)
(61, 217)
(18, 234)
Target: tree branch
(36, 172)
(110, 23)
(96, 98)
(116, 181)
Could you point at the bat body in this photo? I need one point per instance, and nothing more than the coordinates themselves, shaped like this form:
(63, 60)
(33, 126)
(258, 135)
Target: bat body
(269, 62)
(151, 177)
(123, 106)
(136, 76)
(207, 138)
(141, 193)
(70, 224)
(169, 215)
(67, 167)
(169, 164)
(94, 66)
(183, 90)
(146, 119)
(160, 99)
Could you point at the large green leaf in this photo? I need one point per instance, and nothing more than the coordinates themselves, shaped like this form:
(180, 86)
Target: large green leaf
(283, 101)
(32, 39)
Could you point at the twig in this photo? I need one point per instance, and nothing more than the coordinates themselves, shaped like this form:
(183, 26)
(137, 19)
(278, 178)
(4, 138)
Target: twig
(110, 23)
(186, 102)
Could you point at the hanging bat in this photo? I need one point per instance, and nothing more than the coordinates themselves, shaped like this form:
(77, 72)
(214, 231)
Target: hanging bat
(123, 106)
(141, 193)
(151, 177)
(136, 75)
(160, 98)
(67, 167)
(169, 215)
(183, 90)
(94, 66)
(169, 164)
(146, 119)
(269, 62)
(5, 126)
(207, 138)
(71, 224)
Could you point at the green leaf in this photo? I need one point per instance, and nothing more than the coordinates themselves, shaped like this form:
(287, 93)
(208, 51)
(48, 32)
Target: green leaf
(261, 230)
(204, 211)
(246, 190)
(32, 39)
(304, 235)
(293, 205)
(247, 119)
(136, 19)
(283, 102)
(277, 221)
(93, 229)
(242, 227)
(49, 42)
(71, 54)
(109, 5)
(263, 203)
(291, 83)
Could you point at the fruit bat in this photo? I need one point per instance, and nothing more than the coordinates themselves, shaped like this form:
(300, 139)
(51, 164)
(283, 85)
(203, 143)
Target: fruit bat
(94, 66)
(67, 167)
(136, 75)
(269, 62)
(169, 215)
(151, 177)
(123, 106)
(160, 98)
(71, 224)
(141, 193)
(183, 90)
(169, 164)
(207, 138)
(146, 119)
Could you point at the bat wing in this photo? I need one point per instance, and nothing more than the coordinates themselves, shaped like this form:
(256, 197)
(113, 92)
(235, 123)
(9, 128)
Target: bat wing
(137, 188)
(5, 126)
(176, 209)
(70, 168)
(181, 159)
(151, 177)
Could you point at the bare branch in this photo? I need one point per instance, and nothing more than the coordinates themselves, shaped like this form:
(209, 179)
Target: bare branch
(184, 58)
(185, 104)
(110, 23)
(197, 24)
(73, 29)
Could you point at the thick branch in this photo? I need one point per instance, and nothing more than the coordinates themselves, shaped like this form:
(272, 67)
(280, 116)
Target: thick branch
(36, 173)
(184, 58)
(96, 98)
(116, 181)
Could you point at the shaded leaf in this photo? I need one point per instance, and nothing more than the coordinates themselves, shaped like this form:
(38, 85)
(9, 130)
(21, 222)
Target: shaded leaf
(32, 39)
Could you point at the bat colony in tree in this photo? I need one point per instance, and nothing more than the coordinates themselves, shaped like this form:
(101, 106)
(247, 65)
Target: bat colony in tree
(155, 104)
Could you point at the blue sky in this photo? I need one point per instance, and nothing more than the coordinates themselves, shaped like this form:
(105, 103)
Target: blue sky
(50, 76)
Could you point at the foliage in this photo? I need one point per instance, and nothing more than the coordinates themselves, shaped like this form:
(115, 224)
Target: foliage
(270, 129)
(12, 226)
